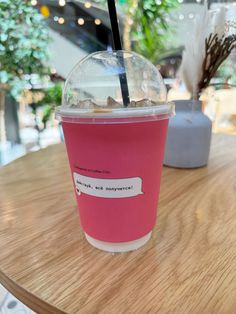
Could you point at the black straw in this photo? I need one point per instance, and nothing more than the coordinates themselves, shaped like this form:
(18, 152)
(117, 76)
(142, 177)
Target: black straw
(118, 46)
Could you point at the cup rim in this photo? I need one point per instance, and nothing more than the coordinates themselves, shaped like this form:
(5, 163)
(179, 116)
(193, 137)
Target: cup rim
(154, 112)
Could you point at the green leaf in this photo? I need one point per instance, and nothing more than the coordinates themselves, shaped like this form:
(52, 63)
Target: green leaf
(24, 41)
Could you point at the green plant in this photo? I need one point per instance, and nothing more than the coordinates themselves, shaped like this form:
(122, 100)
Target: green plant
(24, 42)
(147, 27)
(43, 103)
(52, 95)
(51, 98)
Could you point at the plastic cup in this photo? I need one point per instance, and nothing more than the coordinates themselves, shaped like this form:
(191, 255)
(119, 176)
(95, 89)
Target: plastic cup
(115, 154)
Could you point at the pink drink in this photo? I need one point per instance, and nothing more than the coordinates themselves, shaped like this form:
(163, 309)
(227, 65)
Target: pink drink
(114, 152)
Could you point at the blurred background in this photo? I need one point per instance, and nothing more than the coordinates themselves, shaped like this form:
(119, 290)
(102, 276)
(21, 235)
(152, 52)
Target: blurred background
(41, 40)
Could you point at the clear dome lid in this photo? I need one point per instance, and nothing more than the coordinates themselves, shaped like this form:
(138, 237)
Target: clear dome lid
(114, 83)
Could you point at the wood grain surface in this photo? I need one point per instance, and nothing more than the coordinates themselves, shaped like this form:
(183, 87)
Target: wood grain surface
(189, 265)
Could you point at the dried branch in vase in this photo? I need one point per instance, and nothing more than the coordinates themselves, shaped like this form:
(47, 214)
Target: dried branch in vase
(217, 51)
(208, 46)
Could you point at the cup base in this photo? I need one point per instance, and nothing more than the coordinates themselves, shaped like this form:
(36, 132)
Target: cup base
(116, 247)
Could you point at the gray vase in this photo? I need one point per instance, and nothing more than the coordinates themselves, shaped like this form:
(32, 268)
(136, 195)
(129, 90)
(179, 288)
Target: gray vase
(189, 136)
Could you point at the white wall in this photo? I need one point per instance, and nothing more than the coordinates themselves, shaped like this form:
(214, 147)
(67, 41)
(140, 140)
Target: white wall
(182, 18)
(182, 21)
(64, 54)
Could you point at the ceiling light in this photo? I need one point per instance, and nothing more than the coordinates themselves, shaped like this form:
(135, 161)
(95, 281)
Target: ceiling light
(87, 5)
(62, 3)
(97, 21)
(80, 21)
(61, 20)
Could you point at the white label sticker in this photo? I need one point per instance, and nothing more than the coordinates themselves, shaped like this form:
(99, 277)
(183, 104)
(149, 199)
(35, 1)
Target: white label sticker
(109, 188)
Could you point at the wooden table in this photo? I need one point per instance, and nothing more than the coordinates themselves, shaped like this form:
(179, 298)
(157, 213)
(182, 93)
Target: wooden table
(189, 265)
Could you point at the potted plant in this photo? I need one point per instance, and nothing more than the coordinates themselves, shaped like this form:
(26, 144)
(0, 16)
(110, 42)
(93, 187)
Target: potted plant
(24, 42)
(147, 27)
(189, 134)
(42, 103)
